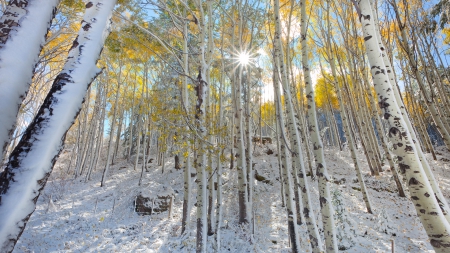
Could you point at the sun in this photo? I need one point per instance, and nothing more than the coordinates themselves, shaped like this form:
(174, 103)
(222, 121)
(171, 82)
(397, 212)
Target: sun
(244, 58)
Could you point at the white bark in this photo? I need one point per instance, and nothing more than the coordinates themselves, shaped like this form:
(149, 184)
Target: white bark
(249, 155)
(286, 163)
(422, 195)
(241, 164)
(321, 169)
(32, 160)
(145, 128)
(111, 135)
(130, 125)
(404, 114)
(219, 208)
(297, 153)
(348, 134)
(23, 28)
(185, 156)
(202, 89)
(139, 128)
(277, 133)
(100, 134)
(382, 135)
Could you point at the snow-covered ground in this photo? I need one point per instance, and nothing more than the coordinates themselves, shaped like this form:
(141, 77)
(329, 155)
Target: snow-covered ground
(84, 217)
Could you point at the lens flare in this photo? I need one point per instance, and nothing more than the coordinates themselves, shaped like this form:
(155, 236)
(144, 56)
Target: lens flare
(244, 58)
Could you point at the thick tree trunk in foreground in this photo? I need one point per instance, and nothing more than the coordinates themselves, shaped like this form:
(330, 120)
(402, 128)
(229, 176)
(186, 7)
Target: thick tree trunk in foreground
(23, 28)
(393, 82)
(32, 160)
(422, 195)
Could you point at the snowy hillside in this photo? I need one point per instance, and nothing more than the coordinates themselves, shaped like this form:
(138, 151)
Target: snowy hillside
(77, 216)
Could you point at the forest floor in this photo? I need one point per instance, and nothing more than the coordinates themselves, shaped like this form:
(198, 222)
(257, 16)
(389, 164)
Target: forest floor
(84, 217)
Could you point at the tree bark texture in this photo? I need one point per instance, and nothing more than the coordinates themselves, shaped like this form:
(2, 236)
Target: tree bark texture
(22, 21)
(422, 194)
(32, 160)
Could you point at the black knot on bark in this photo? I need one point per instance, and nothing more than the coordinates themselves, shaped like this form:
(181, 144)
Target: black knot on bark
(414, 181)
(403, 167)
(393, 131)
(383, 104)
(365, 17)
(322, 201)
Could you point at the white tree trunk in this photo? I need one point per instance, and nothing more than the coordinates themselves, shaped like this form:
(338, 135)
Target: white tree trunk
(422, 195)
(382, 136)
(23, 28)
(241, 164)
(249, 155)
(202, 89)
(221, 148)
(347, 132)
(186, 156)
(111, 136)
(404, 114)
(286, 173)
(321, 169)
(295, 142)
(32, 160)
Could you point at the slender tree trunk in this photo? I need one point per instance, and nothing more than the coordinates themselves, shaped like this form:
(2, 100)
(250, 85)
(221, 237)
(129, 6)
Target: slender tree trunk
(130, 126)
(295, 143)
(118, 133)
(100, 134)
(382, 136)
(94, 145)
(186, 156)
(89, 127)
(241, 163)
(202, 89)
(83, 136)
(91, 138)
(211, 199)
(283, 197)
(321, 169)
(220, 143)
(111, 135)
(143, 152)
(363, 134)
(201, 165)
(249, 154)
(347, 131)
(286, 174)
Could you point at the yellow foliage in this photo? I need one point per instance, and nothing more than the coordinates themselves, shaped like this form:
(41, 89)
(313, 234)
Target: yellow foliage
(268, 111)
(325, 93)
(446, 32)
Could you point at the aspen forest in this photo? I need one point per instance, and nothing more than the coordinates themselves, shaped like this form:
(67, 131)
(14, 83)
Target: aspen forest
(224, 126)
